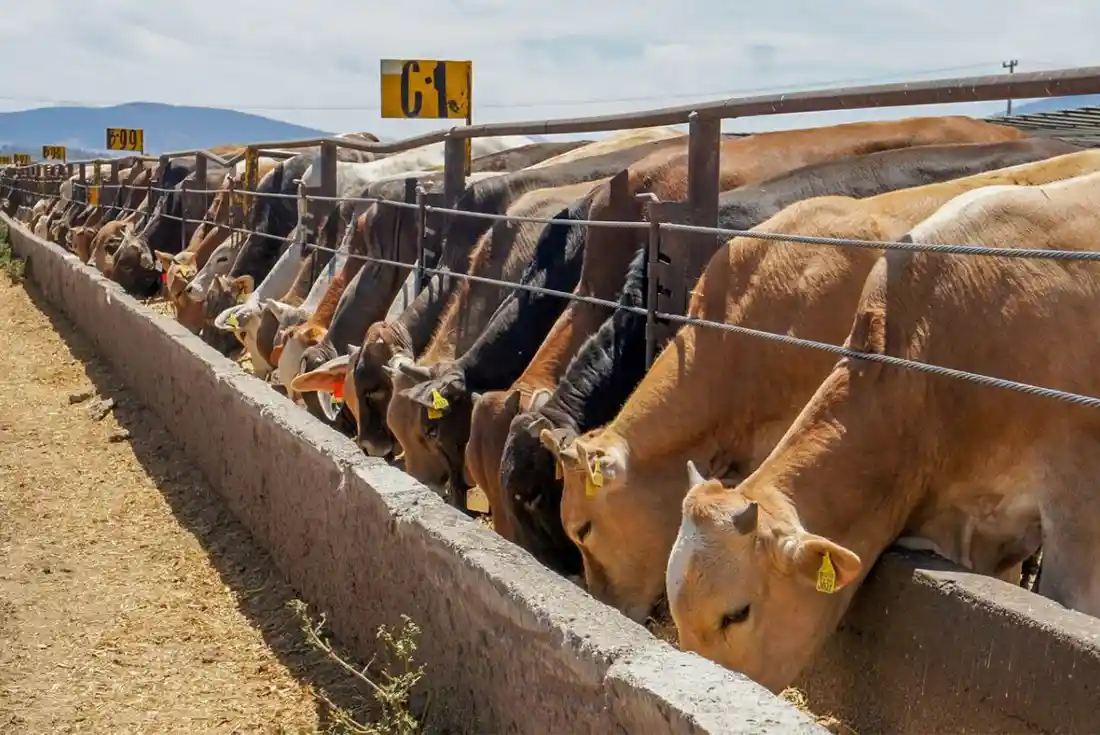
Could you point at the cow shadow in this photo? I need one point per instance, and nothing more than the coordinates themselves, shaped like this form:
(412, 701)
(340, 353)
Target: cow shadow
(261, 592)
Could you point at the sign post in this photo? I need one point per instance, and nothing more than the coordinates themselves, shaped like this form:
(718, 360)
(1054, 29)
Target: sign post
(54, 153)
(426, 89)
(97, 179)
(126, 139)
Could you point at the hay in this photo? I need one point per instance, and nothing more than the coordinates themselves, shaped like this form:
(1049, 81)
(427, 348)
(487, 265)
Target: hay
(130, 599)
(797, 698)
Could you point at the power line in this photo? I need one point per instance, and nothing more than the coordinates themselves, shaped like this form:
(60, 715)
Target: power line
(54, 101)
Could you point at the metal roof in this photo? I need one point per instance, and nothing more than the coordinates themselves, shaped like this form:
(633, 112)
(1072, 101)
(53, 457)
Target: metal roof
(1080, 125)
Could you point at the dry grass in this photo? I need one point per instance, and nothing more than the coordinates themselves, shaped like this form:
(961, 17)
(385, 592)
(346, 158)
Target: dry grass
(130, 599)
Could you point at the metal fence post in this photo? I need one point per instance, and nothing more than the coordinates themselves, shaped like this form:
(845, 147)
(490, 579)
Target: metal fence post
(300, 231)
(704, 139)
(201, 198)
(454, 170)
(421, 235)
(184, 186)
(653, 254)
(321, 208)
(83, 180)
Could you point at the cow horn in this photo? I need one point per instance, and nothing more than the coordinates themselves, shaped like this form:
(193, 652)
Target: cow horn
(415, 372)
(745, 519)
(475, 397)
(694, 477)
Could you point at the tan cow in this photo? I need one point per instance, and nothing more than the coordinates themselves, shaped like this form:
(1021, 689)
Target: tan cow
(761, 574)
(723, 400)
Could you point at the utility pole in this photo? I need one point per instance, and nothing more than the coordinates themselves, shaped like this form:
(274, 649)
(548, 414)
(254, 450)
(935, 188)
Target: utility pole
(1011, 66)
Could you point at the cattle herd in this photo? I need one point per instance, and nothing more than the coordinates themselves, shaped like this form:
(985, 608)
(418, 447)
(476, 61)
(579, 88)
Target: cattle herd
(743, 486)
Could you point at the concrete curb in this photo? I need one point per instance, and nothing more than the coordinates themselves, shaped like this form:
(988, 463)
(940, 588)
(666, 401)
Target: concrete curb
(509, 646)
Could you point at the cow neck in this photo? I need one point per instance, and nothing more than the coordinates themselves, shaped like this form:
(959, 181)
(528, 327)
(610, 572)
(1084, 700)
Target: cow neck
(839, 472)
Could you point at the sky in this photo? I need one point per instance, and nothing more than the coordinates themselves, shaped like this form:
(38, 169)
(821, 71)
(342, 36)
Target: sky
(316, 62)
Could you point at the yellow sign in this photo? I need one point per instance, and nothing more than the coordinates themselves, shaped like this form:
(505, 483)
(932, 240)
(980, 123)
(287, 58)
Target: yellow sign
(418, 88)
(93, 192)
(22, 159)
(53, 152)
(126, 139)
(5, 160)
(251, 174)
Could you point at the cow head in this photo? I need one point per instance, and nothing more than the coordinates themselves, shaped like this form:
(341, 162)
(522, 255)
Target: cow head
(224, 294)
(531, 488)
(749, 587)
(218, 264)
(622, 532)
(429, 415)
(79, 241)
(333, 380)
(179, 269)
(372, 381)
(134, 268)
(293, 336)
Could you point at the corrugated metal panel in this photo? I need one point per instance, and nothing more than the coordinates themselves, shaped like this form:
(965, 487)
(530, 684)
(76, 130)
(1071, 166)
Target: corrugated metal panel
(1079, 125)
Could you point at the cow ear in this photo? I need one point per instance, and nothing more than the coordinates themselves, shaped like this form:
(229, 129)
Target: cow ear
(511, 403)
(327, 377)
(243, 285)
(164, 259)
(818, 562)
(539, 399)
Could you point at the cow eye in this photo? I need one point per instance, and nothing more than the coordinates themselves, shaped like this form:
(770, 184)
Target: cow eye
(736, 617)
(583, 531)
(432, 429)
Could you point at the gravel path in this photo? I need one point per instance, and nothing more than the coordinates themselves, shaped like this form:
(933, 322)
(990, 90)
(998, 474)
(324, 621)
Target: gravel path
(130, 599)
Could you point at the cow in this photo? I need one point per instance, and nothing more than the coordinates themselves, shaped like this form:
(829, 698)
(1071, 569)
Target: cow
(623, 483)
(270, 220)
(429, 413)
(525, 156)
(742, 161)
(134, 267)
(223, 292)
(180, 268)
(411, 332)
(614, 142)
(609, 365)
(311, 329)
(415, 159)
(762, 572)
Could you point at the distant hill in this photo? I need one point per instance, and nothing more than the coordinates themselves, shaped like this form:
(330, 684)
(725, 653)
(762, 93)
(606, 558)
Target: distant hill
(167, 127)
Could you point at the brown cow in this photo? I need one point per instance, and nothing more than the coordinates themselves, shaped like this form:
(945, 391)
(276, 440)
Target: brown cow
(742, 161)
(727, 420)
(762, 573)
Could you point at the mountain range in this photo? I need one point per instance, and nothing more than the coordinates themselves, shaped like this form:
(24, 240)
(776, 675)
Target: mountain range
(167, 128)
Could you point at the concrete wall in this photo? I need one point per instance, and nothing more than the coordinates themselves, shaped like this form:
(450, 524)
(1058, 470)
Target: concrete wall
(509, 645)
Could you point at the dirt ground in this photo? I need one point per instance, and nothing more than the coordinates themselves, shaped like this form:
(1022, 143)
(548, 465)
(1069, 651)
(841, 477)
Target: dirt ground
(130, 599)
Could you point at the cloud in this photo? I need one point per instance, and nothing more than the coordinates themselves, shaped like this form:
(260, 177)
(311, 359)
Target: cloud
(531, 61)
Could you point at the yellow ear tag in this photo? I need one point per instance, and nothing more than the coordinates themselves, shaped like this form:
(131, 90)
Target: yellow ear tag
(241, 298)
(438, 404)
(826, 575)
(232, 321)
(595, 479)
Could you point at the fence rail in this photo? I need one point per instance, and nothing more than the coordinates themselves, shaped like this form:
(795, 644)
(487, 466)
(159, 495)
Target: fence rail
(650, 311)
(700, 210)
